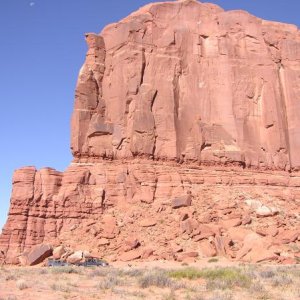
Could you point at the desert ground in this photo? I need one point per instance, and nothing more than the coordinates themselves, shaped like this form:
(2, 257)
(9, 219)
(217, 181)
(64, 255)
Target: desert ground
(212, 279)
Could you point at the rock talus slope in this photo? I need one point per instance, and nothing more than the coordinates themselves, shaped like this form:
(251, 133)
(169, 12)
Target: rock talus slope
(186, 121)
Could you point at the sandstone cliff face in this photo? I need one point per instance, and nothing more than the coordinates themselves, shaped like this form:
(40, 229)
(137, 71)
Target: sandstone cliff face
(172, 103)
(188, 81)
(99, 206)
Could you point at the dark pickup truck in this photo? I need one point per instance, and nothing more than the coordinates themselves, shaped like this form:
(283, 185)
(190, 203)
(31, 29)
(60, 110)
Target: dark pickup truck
(56, 263)
(91, 262)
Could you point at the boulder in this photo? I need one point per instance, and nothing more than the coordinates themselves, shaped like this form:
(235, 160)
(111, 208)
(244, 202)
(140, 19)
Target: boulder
(58, 252)
(131, 243)
(76, 257)
(231, 223)
(207, 249)
(288, 261)
(36, 255)
(253, 244)
(148, 223)
(268, 230)
(87, 254)
(259, 254)
(147, 252)
(183, 216)
(103, 242)
(246, 219)
(287, 236)
(254, 204)
(130, 255)
(189, 225)
(187, 254)
(182, 201)
(265, 211)
(177, 248)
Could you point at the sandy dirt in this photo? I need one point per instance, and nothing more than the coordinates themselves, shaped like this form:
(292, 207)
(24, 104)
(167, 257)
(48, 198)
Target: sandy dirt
(204, 280)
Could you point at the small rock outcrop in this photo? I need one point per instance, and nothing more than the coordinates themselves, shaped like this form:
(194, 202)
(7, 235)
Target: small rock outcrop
(185, 138)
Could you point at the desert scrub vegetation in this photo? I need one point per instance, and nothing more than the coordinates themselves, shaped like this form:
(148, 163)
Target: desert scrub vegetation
(182, 283)
(213, 260)
(110, 281)
(22, 284)
(157, 278)
(60, 287)
(9, 298)
(10, 277)
(66, 269)
(218, 278)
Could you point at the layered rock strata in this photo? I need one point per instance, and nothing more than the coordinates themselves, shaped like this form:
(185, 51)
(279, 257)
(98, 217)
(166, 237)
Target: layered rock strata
(100, 206)
(186, 122)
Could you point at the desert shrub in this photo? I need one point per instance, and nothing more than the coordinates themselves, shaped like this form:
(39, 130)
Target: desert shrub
(177, 285)
(221, 296)
(295, 271)
(60, 287)
(267, 274)
(11, 297)
(97, 273)
(43, 271)
(22, 284)
(213, 260)
(188, 273)
(10, 277)
(156, 278)
(129, 294)
(110, 282)
(251, 274)
(170, 295)
(133, 272)
(264, 296)
(195, 297)
(118, 291)
(66, 269)
(73, 284)
(257, 287)
(282, 280)
(219, 278)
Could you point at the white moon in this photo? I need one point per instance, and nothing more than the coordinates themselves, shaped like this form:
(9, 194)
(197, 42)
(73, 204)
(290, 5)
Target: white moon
(32, 4)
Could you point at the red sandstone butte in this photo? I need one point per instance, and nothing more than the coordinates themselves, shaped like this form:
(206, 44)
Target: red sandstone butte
(179, 100)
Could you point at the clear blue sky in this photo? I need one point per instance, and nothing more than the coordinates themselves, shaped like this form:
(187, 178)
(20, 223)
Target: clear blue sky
(42, 49)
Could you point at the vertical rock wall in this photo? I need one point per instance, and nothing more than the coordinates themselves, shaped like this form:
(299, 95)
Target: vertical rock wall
(188, 81)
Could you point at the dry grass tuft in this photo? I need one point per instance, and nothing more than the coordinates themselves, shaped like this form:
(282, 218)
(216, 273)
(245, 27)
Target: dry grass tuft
(110, 282)
(60, 287)
(66, 269)
(22, 284)
(157, 278)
